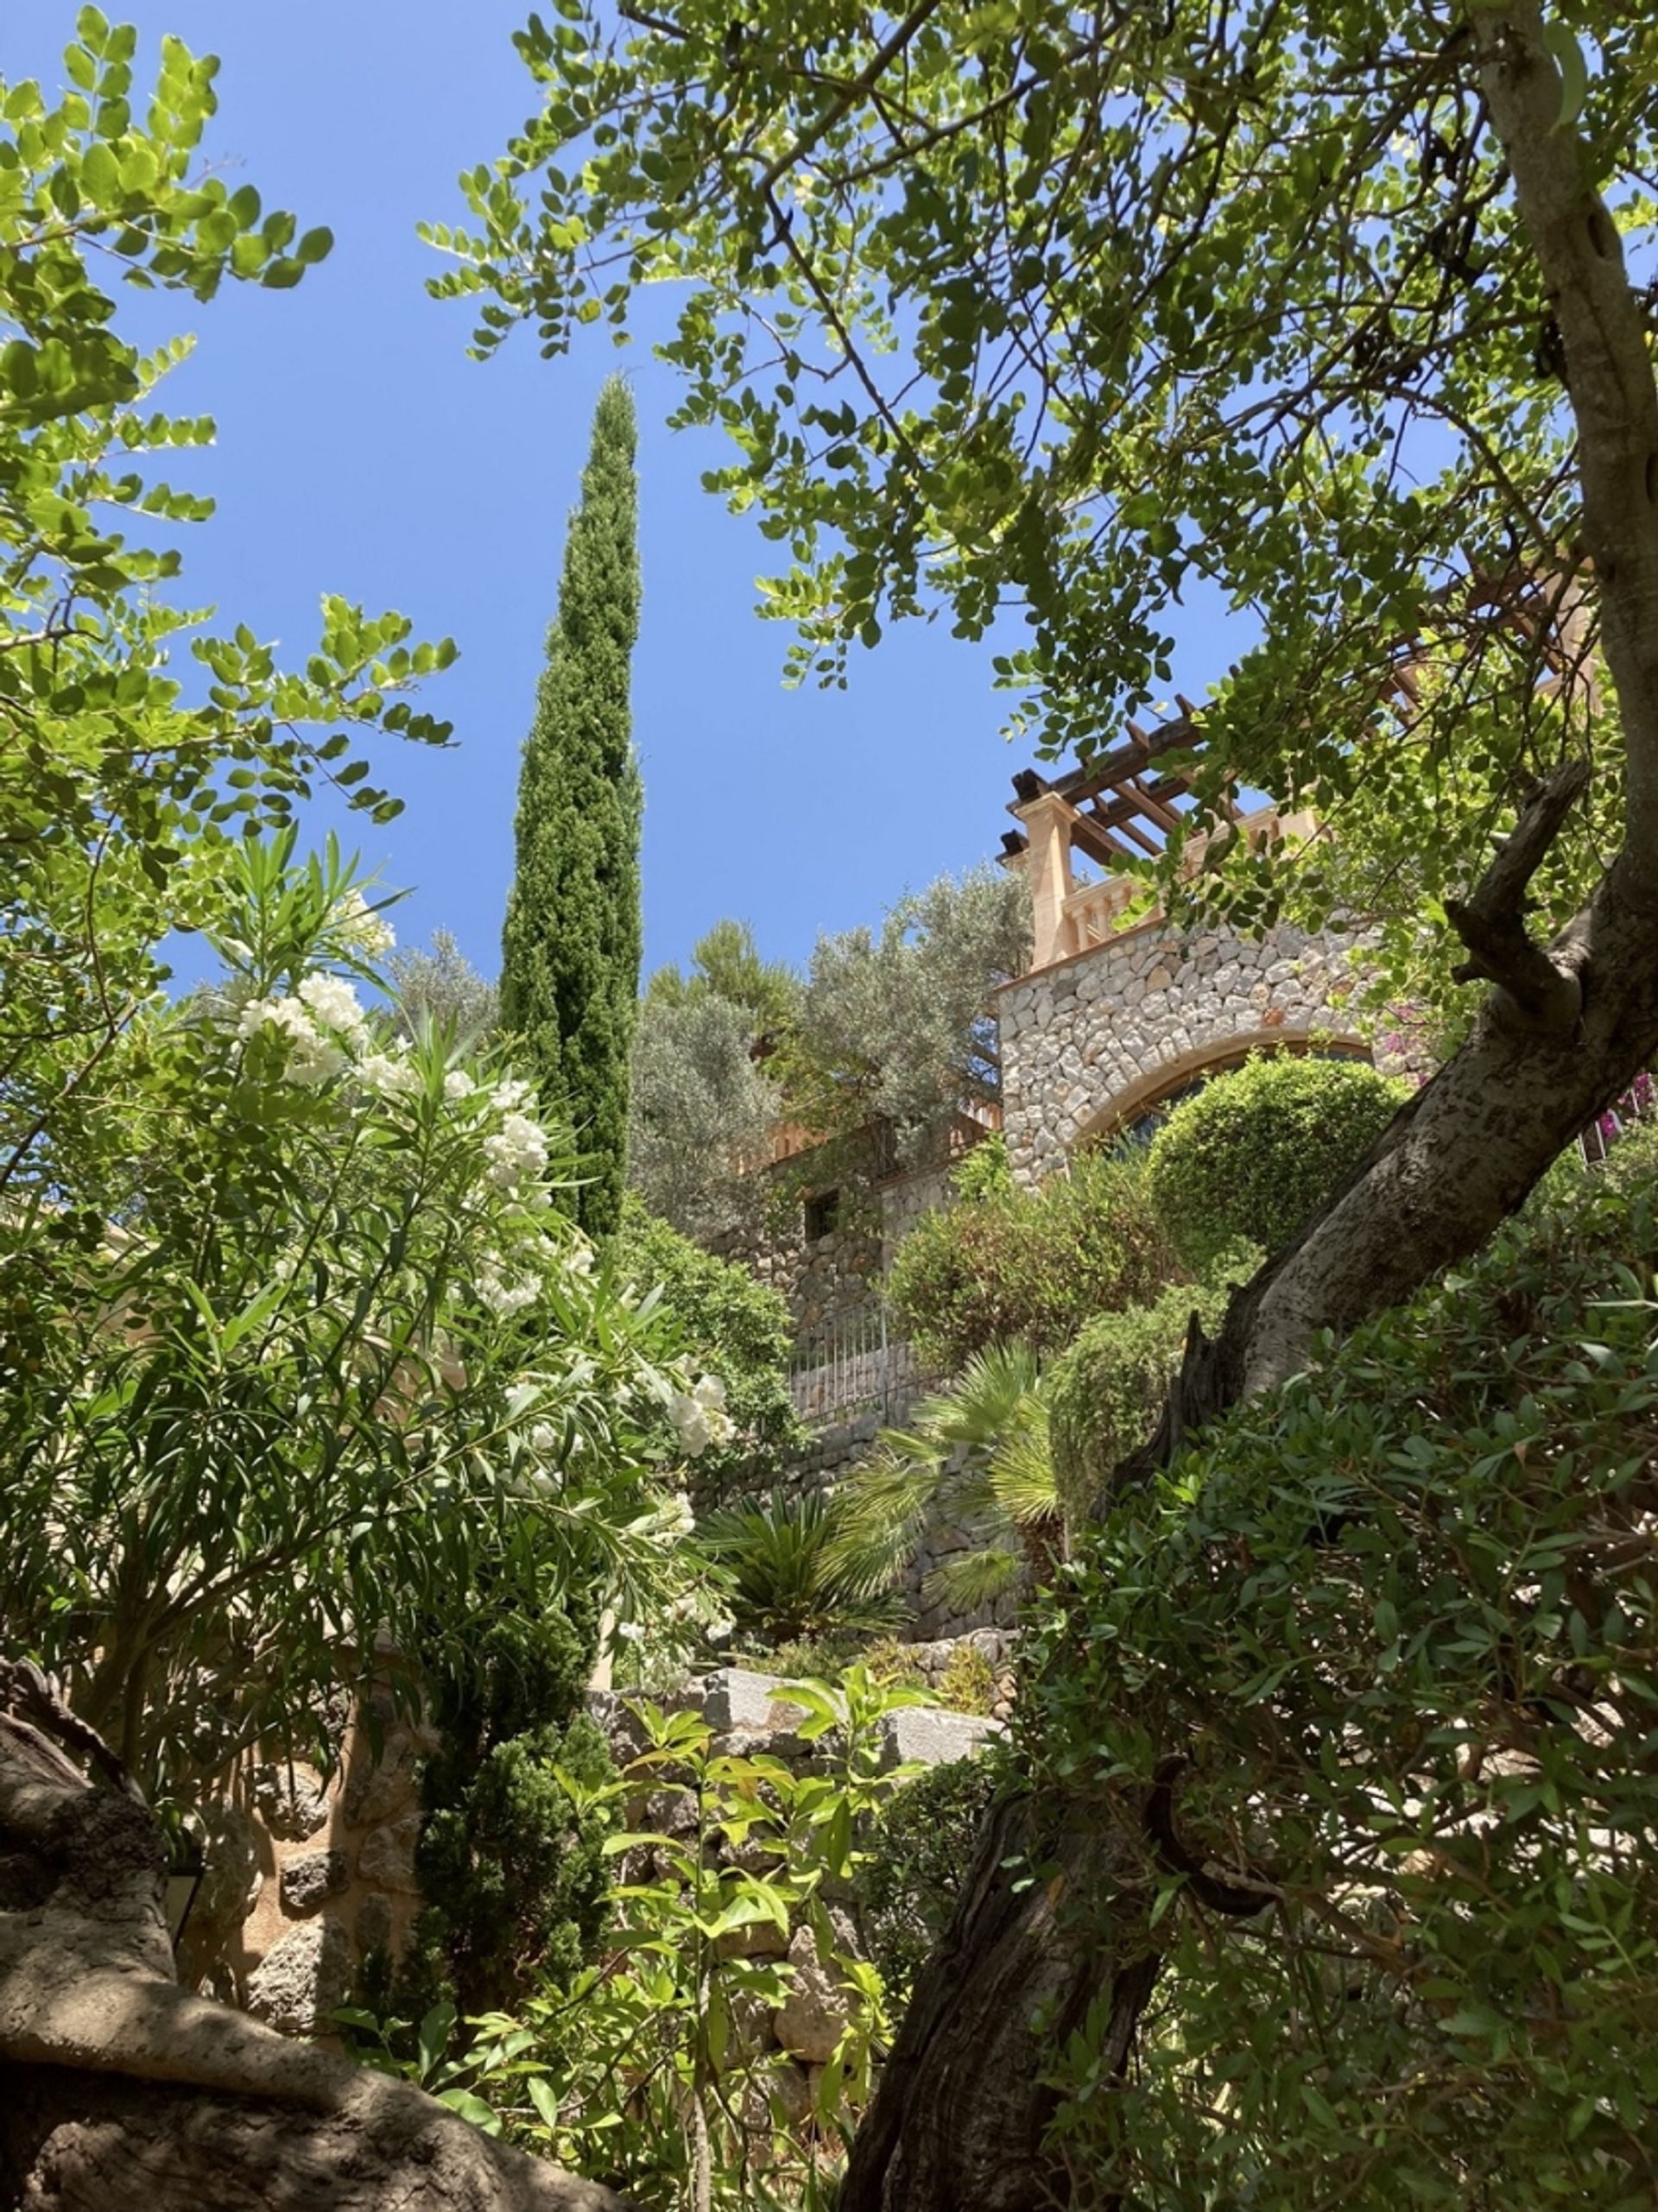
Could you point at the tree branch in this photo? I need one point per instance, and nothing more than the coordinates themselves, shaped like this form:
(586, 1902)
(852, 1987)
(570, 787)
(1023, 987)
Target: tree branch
(1534, 991)
(1609, 378)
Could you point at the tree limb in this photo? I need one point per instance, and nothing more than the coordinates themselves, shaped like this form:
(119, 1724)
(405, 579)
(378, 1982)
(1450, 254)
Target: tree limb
(1535, 990)
(118, 2086)
(1610, 379)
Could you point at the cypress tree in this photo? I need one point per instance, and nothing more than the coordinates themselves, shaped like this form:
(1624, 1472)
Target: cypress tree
(570, 949)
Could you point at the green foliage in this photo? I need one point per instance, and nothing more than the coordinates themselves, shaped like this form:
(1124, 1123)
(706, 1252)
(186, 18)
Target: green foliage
(1255, 1153)
(1004, 1264)
(1398, 1624)
(1094, 286)
(968, 1683)
(701, 1113)
(895, 1028)
(731, 1326)
(798, 1568)
(441, 991)
(1106, 1392)
(299, 1355)
(570, 948)
(509, 1858)
(976, 1454)
(124, 784)
(644, 2069)
(921, 1855)
(725, 963)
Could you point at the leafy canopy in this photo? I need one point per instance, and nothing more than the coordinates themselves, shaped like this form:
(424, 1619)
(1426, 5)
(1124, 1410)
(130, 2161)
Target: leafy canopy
(1007, 306)
(114, 766)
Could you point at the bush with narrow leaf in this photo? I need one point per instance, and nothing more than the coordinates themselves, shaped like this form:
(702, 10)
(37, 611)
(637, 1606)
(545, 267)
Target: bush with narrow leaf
(1388, 1640)
(1003, 1263)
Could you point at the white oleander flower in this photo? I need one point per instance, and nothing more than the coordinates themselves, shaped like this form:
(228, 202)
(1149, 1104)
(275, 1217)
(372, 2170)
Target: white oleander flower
(510, 1094)
(580, 1259)
(718, 1631)
(690, 1425)
(360, 925)
(708, 1390)
(544, 1438)
(458, 1084)
(631, 1630)
(517, 1149)
(333, 1002)
(503, 1297)
(388, 1076)
(312, 1058)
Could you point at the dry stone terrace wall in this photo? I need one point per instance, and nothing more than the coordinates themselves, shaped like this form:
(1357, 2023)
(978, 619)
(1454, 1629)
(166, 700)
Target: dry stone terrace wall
(305, 1873)
(1089, 1039)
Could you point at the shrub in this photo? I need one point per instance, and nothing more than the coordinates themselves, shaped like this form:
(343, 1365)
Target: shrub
(1003, 1263)
(511, 1862)
(968, 1683)
(795, 1574)
(922, 1853)
(1256, 1152)
(1397, 1625)
(1104, 1394)
(732, 1326)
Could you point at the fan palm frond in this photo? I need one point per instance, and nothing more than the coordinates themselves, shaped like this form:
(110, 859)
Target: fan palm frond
(973, 1579)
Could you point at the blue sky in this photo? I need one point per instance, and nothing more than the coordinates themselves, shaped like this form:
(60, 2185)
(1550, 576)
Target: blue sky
(360, 452)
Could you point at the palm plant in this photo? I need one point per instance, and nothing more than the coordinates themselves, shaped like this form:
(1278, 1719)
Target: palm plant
(800, 1570)
(978, 1453)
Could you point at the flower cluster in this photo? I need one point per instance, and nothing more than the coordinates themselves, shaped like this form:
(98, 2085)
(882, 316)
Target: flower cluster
(361, 927)
(389, 1076)
(322, 1024)
(516, 1151)
(698, 1416)
(500, 1294)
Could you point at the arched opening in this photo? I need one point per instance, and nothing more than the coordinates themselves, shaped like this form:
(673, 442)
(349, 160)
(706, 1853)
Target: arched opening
(1135, 1115)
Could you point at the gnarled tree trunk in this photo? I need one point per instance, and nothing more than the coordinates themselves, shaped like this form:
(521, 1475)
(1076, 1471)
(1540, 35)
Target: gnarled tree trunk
(118, 2088)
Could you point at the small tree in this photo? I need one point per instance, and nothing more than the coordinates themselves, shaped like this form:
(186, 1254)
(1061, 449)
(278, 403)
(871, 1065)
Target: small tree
(441, 990)
(895, 1025)
(570, 948)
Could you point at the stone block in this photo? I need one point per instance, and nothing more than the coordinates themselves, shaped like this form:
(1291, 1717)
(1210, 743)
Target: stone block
(922, 1733)
(302, 1979)
(734, 1697)
(292, 1800)
(816, 2012)
(387, 1859)
(374, 1923)
(310, 1881)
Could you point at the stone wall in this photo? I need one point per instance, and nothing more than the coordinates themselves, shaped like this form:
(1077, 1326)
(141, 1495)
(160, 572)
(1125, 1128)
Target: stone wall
(307, 1873)
(1085, 1041)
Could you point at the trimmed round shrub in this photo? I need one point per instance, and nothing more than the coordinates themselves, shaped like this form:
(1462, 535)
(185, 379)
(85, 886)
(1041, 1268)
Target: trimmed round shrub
(1256, 1152)
(1005, 1265)
(1104, 1394)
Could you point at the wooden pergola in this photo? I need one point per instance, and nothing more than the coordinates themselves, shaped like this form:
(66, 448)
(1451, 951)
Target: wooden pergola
(1125, 802)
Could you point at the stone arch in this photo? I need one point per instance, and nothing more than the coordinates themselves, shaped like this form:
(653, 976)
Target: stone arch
(1104, 1031)
(1216, 1056)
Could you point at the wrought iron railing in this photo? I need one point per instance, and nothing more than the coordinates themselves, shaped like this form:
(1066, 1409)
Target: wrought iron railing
(853, 1365)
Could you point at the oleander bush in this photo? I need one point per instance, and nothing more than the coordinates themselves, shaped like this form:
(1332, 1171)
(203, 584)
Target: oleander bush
(732, 1326)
